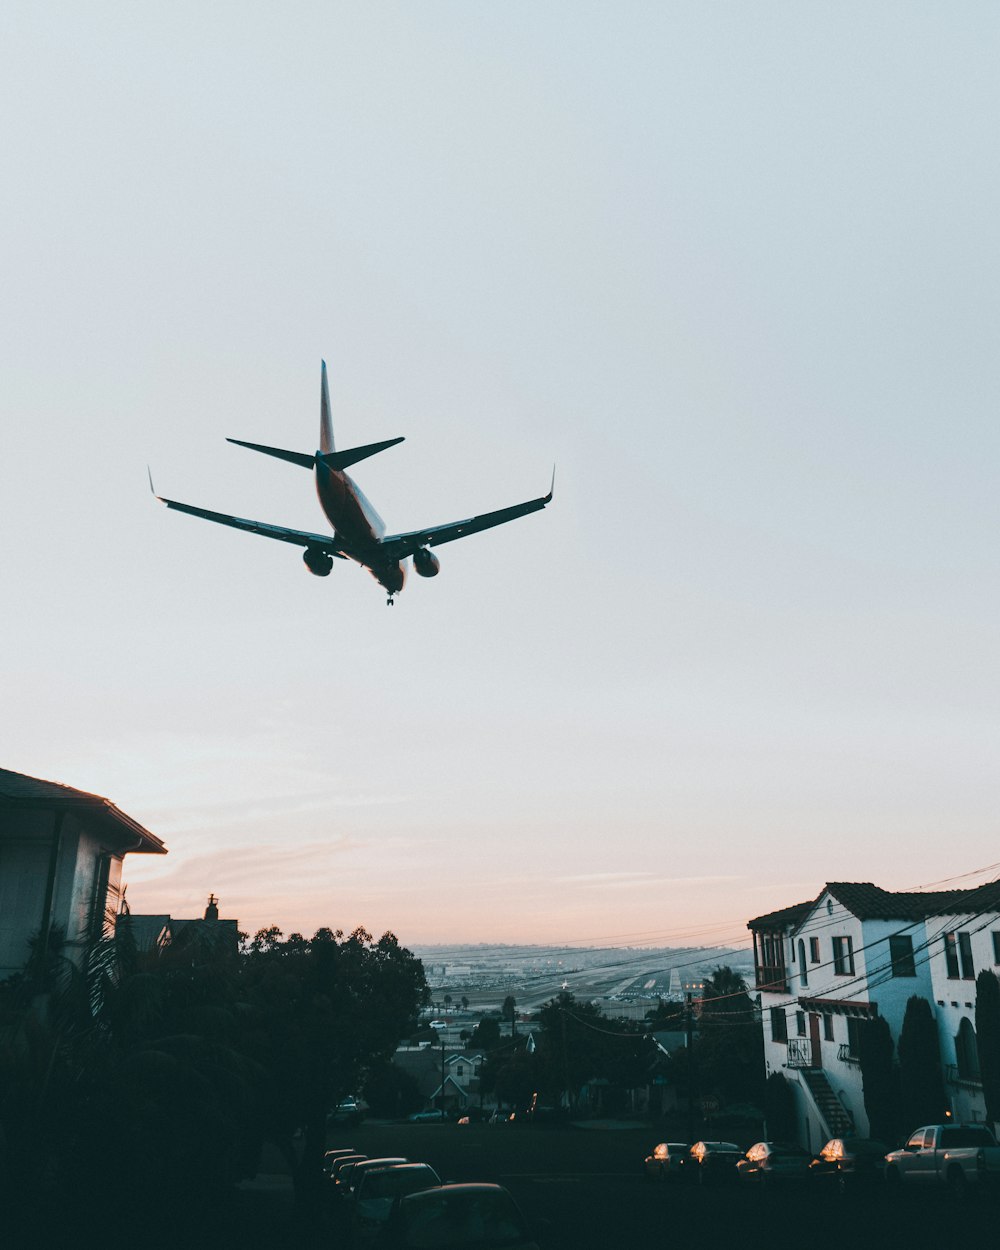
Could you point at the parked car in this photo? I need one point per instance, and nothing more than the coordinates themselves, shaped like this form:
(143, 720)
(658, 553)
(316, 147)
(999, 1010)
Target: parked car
(850, 1161)
(425, 1117)
(710, 1161)
(357, 1172)
(666, 1160)
(341, 1170)
(460, 1217)
(347, 1111)
(377, 1190)
(331, 1157)
(769, 1161)
(956, 1155)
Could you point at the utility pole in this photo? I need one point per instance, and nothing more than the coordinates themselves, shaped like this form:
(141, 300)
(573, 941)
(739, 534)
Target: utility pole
(689, 1037)
(442, 1074)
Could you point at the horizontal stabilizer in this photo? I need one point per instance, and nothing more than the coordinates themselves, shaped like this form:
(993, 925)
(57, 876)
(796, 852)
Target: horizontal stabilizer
(294, 457)
(342, 459)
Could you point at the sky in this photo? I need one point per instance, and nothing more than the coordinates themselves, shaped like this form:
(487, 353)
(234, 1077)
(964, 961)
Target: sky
(731, 267)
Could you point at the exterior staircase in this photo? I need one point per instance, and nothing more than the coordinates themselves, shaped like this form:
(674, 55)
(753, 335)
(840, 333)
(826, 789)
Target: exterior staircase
(831, 1109)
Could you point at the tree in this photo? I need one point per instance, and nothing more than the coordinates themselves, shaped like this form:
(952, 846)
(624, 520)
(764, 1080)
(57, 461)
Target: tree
(779, 1108)
(326, 1010)
(880, 1078)
(392, 1092)
(486, 1034)
(921, 1081)
(988, 1040)
(509, 1012)
(730, 1046)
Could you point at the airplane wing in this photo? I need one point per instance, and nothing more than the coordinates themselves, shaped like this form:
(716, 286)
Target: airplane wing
(402, 545)
(299, 538)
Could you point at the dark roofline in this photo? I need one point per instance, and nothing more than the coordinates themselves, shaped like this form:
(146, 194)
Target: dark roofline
(786, 915)
(19, 792)
(867, 901)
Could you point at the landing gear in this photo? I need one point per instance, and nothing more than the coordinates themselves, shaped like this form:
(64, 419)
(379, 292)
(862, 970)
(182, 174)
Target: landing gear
(390, 601)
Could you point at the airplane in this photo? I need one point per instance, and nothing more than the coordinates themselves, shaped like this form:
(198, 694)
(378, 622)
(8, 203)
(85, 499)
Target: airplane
(358, 530)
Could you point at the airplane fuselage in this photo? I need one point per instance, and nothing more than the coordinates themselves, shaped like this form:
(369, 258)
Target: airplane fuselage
(358, 530)
(358, 527)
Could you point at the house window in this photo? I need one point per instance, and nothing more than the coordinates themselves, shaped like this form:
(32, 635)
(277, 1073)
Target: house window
(996, 947)
(958, 956)
(800, 1023)
(901, 955)
(854, 1036)
(803, 970)
(965, 956)
(843, 956)
(827, 1027)
(460, 1070)
(814, 950)
(966, 1052)
(779, 1025)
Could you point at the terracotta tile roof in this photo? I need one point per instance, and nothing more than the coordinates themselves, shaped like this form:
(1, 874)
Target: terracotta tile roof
(18, 791)
(870, 902)
(785, 916)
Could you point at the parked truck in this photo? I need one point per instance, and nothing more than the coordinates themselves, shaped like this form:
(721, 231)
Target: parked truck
(956, 1155)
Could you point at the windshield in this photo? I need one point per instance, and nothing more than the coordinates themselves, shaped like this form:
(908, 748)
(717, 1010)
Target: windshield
(481, 1218)
(396, 1181)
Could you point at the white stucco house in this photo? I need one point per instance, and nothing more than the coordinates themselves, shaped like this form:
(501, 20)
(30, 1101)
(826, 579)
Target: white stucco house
(61, 853)
(965, 940)
(855, 951)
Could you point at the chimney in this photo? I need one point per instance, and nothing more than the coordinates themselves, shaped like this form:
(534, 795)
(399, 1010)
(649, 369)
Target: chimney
(212, 910)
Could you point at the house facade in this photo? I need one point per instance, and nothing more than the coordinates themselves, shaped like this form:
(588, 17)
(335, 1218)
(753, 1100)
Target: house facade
(966, 941)
(854, 952)
(61, 853)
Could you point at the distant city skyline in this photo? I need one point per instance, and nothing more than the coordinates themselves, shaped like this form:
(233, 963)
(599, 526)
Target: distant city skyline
(729, 267)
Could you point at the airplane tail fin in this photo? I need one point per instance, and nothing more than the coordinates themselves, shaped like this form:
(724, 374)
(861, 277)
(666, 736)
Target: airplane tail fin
(342, 459)
(294, 457)
(325, 421)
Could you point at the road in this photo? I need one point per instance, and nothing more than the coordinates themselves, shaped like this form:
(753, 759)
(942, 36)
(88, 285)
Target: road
(582, 1188)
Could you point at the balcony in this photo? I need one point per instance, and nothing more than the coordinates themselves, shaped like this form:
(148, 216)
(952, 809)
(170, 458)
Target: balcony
(846, 1055)
(772, 978)
(799, 1052)
(967, 1081)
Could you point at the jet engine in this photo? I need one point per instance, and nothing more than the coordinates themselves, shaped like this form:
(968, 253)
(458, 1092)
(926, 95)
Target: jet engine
(317, 562)
(426, 562)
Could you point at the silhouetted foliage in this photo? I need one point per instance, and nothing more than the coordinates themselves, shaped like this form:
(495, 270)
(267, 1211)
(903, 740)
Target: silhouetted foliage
(486, 1034)
(880, 1078)
(391, 1092)
(988, 1040)
(165, 1070)
(326, 1010)
(730, 1045)
(921, 1081)
(779, 1108)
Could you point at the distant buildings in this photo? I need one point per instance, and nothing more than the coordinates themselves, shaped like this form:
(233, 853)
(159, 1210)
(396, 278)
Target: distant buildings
(856, 951)
(61, 853)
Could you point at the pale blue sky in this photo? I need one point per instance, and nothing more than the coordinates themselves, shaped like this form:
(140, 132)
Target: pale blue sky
(733, 267)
